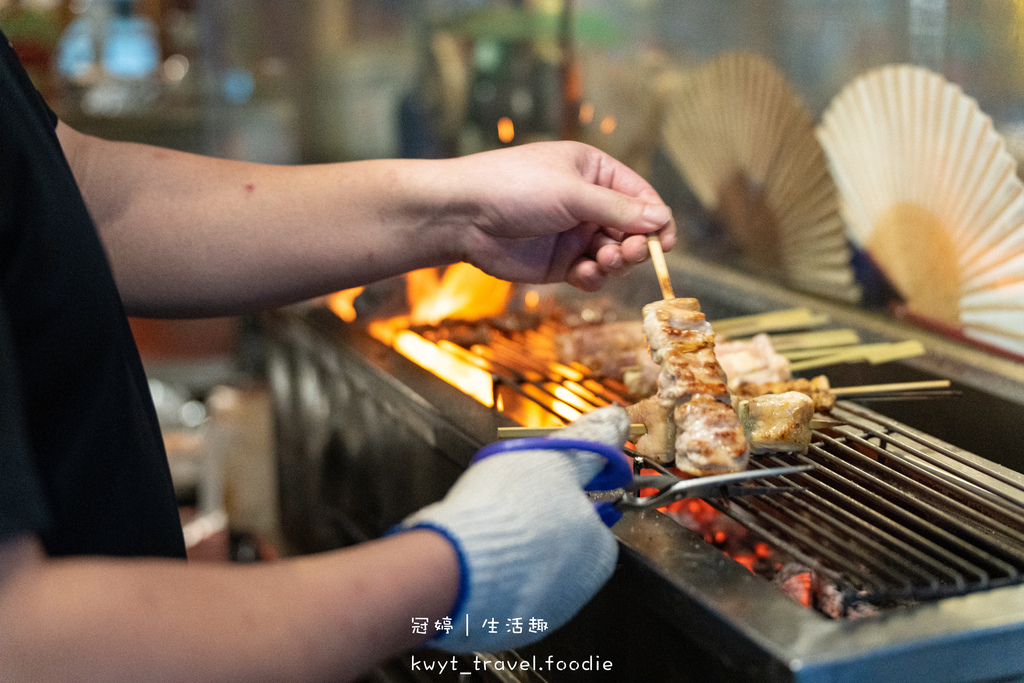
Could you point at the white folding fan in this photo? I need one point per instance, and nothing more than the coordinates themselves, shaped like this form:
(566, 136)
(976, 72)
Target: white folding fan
(930, 192)
(744, 141)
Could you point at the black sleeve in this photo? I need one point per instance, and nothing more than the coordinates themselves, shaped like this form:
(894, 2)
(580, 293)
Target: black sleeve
(21, 501)
(7, 54)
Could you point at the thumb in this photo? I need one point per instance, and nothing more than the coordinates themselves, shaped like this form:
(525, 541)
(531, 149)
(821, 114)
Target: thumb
(608, 425)
(612, 209)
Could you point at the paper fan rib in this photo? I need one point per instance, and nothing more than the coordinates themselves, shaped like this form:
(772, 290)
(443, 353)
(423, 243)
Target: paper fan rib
(929, 190)
(745, 143)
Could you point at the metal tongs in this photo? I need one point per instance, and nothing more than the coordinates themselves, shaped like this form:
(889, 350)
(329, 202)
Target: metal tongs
(730, 485)
(619, 488)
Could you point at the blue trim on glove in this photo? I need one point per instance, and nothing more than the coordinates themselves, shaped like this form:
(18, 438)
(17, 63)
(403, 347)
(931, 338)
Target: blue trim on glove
(462, 595)
(617, 470)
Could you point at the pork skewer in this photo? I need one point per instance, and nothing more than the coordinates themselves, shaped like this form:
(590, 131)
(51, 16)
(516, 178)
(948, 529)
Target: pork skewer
(636, 429)
(817, 388)
(777, 423)
(771, 421)
(693, 414)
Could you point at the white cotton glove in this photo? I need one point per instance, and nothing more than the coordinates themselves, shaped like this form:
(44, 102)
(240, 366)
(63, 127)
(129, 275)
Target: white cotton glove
(532, 549)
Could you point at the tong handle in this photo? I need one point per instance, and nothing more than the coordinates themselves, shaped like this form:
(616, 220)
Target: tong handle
(617, 471)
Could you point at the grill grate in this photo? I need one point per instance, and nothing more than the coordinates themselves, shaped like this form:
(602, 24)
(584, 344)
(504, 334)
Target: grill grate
(889, 516)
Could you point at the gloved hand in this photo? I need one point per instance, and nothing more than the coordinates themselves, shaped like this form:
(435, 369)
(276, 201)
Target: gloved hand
(532, 550)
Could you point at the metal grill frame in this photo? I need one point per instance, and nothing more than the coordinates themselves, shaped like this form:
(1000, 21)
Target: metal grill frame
(866, 523)
(674, 600)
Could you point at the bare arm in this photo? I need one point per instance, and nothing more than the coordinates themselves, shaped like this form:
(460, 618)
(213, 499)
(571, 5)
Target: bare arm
(192, 235)
(328, 616)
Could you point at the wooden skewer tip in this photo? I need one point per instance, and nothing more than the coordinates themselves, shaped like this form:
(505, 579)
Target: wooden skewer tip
(660, 267)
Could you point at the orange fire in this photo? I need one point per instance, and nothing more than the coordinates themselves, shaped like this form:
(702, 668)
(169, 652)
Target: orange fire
(462, 292)
(470, 379)
(343, 303)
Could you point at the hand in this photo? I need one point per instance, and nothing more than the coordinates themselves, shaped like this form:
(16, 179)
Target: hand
(549, 212)
(530, 544)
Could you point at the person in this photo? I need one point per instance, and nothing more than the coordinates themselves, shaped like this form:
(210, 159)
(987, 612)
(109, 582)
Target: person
(92, 582)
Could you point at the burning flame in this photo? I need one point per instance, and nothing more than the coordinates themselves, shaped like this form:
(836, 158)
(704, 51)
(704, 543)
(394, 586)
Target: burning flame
(457, 372)
(463, 292)
(343, 303)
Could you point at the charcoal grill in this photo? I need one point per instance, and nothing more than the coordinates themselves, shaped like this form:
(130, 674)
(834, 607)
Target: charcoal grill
(922, 540)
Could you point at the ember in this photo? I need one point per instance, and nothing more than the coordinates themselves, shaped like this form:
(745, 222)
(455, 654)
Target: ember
(797, 586)
(730, 536)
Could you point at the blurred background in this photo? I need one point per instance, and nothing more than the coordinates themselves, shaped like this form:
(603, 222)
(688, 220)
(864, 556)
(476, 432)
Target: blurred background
(328, 80)
(310, 81)
(331, 80)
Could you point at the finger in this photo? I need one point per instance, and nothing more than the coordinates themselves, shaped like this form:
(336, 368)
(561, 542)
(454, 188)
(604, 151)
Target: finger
(609, 425)
(607, 171)
(599, 241)
(635, 249)
(616, 235)
(570, 247)
(619, 257)
(611, 260)
(585, 274)
(618, 211)
(667, 235)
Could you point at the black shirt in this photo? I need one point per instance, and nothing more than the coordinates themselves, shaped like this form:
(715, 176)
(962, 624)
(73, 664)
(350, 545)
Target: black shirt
(82, 462)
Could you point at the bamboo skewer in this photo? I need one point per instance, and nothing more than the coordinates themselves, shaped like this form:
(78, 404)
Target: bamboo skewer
(635, 430)
(873, 353)
(638, 429)
(865, 351)
(813, 340)
(660, 267)
(868, 389)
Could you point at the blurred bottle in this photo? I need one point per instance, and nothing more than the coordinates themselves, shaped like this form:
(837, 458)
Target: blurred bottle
(180, 43)
(33, 27)
(108, 59)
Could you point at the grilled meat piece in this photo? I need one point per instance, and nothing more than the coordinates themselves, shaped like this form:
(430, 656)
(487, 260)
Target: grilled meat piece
(642, 379)
(686, 372)
(777, 422)
(709, 438)
(606, 349)
(675, 321)
(659, 443)
(754, 361)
